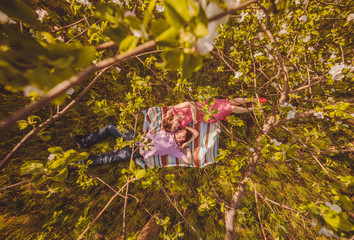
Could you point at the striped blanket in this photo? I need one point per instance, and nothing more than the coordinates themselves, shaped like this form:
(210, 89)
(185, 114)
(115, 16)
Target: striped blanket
(204, 147)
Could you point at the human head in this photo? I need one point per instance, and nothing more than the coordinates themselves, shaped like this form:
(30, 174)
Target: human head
(170, 124)
(183, 135)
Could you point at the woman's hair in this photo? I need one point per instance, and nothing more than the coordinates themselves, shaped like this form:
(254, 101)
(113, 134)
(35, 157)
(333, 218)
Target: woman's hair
(167, 123)
(189, 135)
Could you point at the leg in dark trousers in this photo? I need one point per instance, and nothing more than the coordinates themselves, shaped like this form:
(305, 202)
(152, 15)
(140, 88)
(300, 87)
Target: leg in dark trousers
(108, 130)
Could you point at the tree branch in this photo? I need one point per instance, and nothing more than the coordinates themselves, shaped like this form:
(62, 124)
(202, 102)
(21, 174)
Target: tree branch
(74, 80)
(52, 119)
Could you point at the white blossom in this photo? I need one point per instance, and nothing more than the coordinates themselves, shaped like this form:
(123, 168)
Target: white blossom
(327, 232)
(205, 44)
(319, 115)
(29, 89)
(251, 149)
(55, 28)
(238, 74)
(286, 104)
(84, 2)
(350, 17)
(283, 30)
(260, 14)
(299, 169)
(118, 69)
(270, 56)
(336, 71)
(333, 90)
(276, 143)
(51, 156)
(297, 2)
(333, 207)
(260, 36)
(291, 114)
(306, 39)
(5, 19)
(330, 99)
(160, 8)
(257, 54)
(41, 13)
(232, 48)
(137, 33)
(190, 89)
(303, 18)
(60, 38)
(70, 91)
(313, 223)
(117, 2)
(243, 15)
(333, 56)
(77, 28)
(310, 49)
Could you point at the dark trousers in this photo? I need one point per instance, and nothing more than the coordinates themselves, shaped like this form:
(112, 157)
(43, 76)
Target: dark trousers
(114, 156)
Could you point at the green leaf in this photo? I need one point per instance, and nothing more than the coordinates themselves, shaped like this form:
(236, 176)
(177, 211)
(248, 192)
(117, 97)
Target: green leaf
(140, 173)
(55, 150)
(190, 63)
(19, 10)
(116, 34)
(22, 124)
(32, 167)
(171, 60)
(159, 26)
(129, 43)
(148, 13)
(177, 13)
(57, 164)
(63, 174)
(337, 220)
(169, 38)
(110, 12)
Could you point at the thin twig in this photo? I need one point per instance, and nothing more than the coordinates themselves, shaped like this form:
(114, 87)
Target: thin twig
(125, 211)
(258, 213)
(169, 199)
(14, 185)
(104, 209)
(72, 24)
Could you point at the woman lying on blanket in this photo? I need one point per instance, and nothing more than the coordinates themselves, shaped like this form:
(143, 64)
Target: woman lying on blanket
(162, 143)
(183, 113)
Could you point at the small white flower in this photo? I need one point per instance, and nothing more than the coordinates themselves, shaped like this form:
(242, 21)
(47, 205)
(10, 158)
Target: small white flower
(350, 17)
(306, 39)
(303, 18)
(260, 14)
(41, 13)
(291, 114)
(310, 49)
(260, 36)
(117, 2)
(243, 15)
(137, 33)
(60, 38)
(238, 74)
(94, 61)
(70, 91)
(270, 56)
(190, 89)
(276, 143)
(269, 46)
(299, 169)
(286, 104)
(55, 28)
(257, 54)
(327, 232)
(339, 122)
(297, 2)
(77, 28)
(51, 156)
(5, 19)
(232, 48)
(160, 8)
(319, 115)
(251, 149)
(333, 56)
(283, 30)
(336, 71)
(333, 207)
(333, 90)
(84, 2)
(118, 69)
(29, 89)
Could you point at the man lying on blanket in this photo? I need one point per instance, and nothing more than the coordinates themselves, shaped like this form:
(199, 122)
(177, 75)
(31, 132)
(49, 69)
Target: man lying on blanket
(162, 143)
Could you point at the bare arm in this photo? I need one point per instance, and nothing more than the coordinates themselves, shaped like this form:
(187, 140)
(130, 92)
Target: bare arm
(192, 108)
(188, 158)
(195, 135)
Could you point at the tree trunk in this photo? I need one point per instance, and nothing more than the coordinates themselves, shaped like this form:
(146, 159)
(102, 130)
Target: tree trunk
(151, 228)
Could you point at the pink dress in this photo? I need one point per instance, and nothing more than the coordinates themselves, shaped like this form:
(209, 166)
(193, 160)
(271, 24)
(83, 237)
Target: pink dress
(222, 105)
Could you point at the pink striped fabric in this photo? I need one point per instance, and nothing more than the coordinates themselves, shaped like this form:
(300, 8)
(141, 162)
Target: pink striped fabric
(204, 147)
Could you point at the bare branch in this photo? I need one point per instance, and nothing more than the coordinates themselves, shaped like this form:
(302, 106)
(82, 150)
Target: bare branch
(233, 10)
(174, 205)
(52, 119)
(104, 209)
(14, 185)
(125, 211)
(74, 80)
